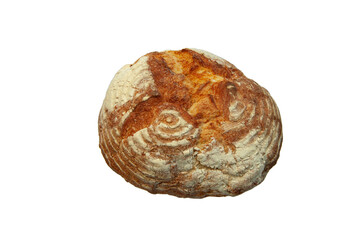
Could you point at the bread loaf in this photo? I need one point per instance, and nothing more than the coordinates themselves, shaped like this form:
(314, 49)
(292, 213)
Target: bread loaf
(190, 124)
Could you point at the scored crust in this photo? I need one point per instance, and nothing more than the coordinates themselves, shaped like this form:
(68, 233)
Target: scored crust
(189, 124)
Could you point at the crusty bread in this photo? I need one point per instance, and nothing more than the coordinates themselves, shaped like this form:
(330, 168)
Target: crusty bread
(189, 124)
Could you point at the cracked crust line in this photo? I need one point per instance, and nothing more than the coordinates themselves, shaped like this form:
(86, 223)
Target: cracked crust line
(199, 79)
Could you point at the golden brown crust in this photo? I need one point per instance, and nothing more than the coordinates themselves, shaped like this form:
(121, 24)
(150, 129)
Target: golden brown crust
(184, 78)
(215, 103)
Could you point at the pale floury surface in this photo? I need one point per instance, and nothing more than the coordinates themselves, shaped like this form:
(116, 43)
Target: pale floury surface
(188, 123)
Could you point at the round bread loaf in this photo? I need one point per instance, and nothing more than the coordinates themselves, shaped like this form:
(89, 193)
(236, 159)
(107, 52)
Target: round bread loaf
(190, 124)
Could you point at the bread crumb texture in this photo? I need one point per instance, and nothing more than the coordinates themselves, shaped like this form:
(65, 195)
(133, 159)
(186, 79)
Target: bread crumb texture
(189, 124)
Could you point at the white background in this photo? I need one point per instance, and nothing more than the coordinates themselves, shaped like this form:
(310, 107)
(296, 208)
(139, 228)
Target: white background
(58, 57)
